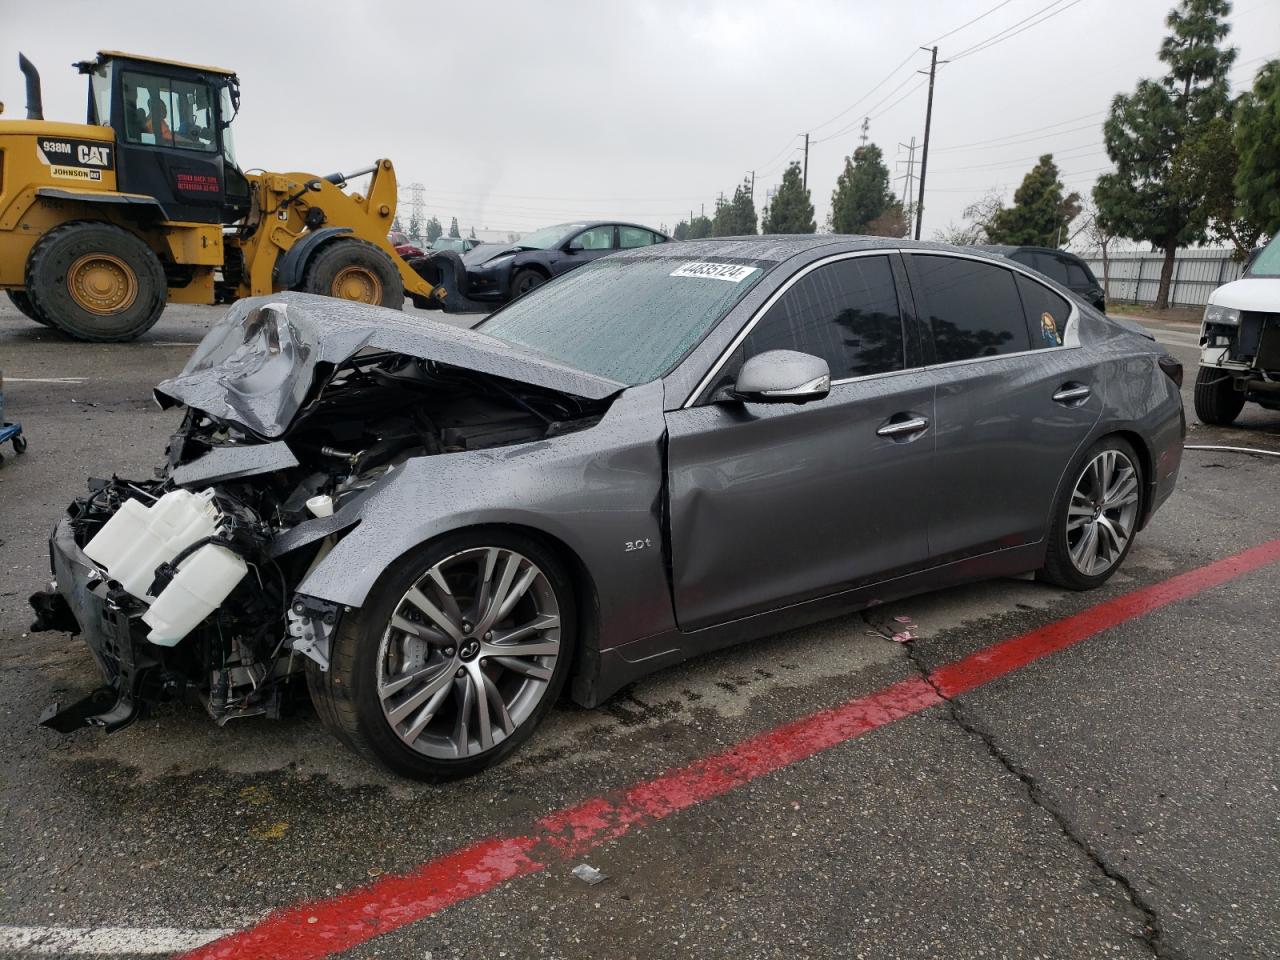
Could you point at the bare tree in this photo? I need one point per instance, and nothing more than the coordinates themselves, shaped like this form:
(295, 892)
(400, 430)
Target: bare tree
(1098, 234)
(978, 216)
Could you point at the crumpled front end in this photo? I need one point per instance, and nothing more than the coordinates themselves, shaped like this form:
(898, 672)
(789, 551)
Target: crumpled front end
(185, 587)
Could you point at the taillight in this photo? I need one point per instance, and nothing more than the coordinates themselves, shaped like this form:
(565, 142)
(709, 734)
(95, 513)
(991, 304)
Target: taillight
(1172, 369)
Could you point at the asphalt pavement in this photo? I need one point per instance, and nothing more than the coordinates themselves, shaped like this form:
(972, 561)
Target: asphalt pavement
(1117, 798)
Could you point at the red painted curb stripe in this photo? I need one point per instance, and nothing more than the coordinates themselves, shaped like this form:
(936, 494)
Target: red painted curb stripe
(325, 927)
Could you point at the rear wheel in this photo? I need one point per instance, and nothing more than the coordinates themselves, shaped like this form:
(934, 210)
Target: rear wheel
(1217, 400)
(459, 652)
(96, 282)
(351, 269)
(24, 304)
(1096, 517)
(525, 280)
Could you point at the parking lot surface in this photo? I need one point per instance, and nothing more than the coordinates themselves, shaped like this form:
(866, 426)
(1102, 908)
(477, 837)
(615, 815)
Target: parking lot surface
(1119, 797)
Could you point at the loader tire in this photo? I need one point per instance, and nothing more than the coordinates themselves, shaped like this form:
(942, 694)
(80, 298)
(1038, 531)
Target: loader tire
(1217, 401)
(350, 269)
(23, 303)
(96, 282)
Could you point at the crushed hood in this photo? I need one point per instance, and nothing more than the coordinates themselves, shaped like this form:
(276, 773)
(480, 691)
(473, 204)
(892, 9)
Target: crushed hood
(488, 251)
(257, 365)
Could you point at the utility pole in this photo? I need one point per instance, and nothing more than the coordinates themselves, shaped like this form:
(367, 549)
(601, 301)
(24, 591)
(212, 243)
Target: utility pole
(806, 162)
(753, 187)
(866, 122)
(928, 121)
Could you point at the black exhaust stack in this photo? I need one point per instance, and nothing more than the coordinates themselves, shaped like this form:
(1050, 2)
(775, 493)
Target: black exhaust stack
(35, 107)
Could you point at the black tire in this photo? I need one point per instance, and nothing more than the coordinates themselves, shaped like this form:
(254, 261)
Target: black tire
(19, 444)
(24, 304)
(1059, 568)
(346, 696)
(355, 266)
(1217, 401)
(68, 251)
(522, 281)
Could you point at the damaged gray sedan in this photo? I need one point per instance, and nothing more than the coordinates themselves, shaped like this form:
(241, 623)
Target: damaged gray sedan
(435, 531)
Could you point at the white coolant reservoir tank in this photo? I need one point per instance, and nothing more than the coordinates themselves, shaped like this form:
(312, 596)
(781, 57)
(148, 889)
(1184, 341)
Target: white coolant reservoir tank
(202, 582)
(138, 539)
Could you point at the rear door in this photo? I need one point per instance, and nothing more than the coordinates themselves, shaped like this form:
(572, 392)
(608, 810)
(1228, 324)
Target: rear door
(1015, 398)
(772, 504)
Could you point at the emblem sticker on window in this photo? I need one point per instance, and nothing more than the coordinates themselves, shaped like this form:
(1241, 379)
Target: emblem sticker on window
(733, 272)
(1049, 327)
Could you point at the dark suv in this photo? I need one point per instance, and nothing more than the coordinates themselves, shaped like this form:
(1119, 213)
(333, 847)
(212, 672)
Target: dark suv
(1066, 268)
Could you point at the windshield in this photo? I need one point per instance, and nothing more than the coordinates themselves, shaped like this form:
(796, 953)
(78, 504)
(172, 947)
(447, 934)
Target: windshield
(1267, 263)
(628, 320)
(548, 237)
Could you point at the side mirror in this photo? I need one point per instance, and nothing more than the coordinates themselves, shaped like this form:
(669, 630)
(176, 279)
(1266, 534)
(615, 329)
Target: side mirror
(575, 246)
(782, 376)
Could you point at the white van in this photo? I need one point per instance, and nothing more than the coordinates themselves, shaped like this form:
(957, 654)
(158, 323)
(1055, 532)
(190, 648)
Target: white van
(1240, 342)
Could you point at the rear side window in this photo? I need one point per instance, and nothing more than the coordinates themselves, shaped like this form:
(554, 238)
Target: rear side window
(973, 308)
(629, 237)
(1048, 264)
(845, 312)
(1077, 276)
(1046, 313)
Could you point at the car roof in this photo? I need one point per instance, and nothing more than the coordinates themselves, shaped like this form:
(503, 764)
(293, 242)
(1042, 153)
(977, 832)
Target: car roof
(1004, 249)
(778, 247)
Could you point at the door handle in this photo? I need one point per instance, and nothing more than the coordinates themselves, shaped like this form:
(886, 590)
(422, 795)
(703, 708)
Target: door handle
(1071, 393)
(898, 428)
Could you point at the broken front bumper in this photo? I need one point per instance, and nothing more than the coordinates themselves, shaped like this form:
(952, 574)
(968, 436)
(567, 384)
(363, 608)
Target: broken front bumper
(81, 601)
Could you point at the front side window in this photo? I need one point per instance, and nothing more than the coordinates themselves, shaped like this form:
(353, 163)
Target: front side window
(597, 238)
(100, 91)
(972, 308)
(844, 312)
(163, 112)
(629, 320)
(1046, 313)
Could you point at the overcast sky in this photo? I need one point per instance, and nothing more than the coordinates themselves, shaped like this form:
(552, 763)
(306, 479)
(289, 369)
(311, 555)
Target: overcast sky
(516, 115)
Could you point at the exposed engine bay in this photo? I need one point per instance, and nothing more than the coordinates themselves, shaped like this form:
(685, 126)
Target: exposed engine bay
(184, 585)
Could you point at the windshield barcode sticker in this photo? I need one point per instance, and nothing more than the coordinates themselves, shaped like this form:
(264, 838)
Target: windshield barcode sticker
(733, 272)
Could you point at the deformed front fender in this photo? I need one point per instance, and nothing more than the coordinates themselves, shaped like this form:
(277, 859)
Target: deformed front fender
(597, 491)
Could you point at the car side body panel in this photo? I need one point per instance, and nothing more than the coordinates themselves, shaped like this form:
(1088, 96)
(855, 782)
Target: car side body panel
(598, 492)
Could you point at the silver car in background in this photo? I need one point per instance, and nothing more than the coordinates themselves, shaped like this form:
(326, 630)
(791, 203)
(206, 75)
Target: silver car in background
(667, 451)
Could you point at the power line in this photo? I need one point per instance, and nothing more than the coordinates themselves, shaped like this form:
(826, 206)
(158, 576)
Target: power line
(1006, 34)
(1067, 154)
(1010, 137)
(969, 23)
(901, 98)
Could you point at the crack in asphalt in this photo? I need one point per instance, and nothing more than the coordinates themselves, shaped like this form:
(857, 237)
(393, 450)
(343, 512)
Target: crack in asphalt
(1153, 934)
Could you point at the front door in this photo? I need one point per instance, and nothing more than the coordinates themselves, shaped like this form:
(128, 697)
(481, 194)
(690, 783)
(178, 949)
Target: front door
(772, 504)
(588, 245)
(1013, 402)
(167, 143)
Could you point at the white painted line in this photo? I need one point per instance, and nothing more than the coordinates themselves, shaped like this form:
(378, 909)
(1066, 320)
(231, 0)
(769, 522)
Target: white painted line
(66, 941)
(1181, 339)
(174, 343)
(45, 379)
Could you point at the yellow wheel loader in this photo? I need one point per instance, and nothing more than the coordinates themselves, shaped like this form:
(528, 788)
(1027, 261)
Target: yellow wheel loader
(104, 222)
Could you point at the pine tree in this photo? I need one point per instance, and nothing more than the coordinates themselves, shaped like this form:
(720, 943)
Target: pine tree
(862, 191)
(791, 210)
(1040, 213)
(700, 228)
(744, 211)
(1257, 143)
(1143, 199)
(453, 228)
(434, 230)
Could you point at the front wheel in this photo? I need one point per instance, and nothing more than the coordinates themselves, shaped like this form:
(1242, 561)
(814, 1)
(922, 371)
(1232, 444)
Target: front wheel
(460, 650)
(1217, 400)
(525, 280)
(350, 269)
(1095, 517)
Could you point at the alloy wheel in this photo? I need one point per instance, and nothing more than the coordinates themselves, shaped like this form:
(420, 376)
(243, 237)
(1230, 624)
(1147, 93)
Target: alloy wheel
(1102, 513)
(469, 653)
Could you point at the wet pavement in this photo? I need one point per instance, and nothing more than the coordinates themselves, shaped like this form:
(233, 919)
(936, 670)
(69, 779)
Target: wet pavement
(1120, 798)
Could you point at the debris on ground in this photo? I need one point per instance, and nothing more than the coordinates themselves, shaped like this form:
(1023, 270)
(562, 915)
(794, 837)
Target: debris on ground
(589, 874)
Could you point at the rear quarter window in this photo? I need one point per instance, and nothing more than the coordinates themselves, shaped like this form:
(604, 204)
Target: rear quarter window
(1046, 313)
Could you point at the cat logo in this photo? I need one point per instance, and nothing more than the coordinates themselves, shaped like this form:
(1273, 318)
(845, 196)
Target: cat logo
(87, 155)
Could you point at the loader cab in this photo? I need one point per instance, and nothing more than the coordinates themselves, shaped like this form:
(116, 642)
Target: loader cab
(172, 123)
